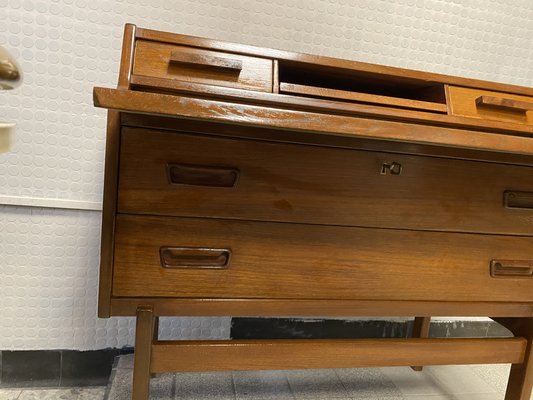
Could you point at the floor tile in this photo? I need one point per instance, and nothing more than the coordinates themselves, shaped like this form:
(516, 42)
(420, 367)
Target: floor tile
(31, 368)
(63, 394)
(261, 385)
(494, 375)
(86, 368)
(369, 382)
(125, 361)
(410, 382)
(316, 384)
(204, 386)
(459, 379)
(9, 394)
(120, 384)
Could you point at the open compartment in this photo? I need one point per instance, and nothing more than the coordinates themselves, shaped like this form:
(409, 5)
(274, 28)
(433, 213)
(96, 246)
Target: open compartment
(319, 81)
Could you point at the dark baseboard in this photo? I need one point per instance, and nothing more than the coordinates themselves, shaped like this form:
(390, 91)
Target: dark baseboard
(290, 328)
(56, 368)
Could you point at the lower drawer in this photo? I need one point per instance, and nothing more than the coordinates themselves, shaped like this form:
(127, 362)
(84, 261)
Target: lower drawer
(210, 258)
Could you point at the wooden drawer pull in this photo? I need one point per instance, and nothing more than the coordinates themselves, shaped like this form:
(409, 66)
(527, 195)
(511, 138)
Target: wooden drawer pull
(500, 102)
(518, 199)
(499, 268)
(194, 257)
(197, 175)
(206, 61)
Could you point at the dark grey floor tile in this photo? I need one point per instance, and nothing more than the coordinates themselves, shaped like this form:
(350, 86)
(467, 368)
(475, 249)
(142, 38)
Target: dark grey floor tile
(497, 330)
(368, 382)
(204, 386)
(86, 368)
(316, 384)
(261, 385)
(276, 328)
(30, 368)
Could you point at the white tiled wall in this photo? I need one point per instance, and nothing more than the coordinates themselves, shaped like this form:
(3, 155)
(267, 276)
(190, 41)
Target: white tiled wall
(49, 257)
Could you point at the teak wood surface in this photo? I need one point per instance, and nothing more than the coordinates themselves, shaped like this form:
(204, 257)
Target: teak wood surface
(367, 190)
(317, 185)
(300, 261)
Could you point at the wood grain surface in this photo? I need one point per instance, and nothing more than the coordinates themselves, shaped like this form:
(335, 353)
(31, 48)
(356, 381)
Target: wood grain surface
(361, 97)
(155, 59)
(239, 355)
(464, 101)
(313, 122)
(318, 185)
(297, 261)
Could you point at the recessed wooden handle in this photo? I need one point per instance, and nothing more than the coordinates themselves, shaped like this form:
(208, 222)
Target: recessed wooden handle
(206, 61)
(500, 102)
(503, 268)
(512, 199)
(198, 175)
(194, 257)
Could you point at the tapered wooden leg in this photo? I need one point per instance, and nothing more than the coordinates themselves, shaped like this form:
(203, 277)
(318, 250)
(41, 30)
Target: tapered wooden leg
(421, 330)
(144, 334)
(520, 383)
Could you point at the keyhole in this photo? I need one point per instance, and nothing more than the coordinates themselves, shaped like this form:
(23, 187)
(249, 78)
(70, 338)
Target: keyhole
(393, 168)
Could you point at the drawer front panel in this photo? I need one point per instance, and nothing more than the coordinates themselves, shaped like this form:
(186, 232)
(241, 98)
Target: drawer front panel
(184, 175)
(242, 259)
(209, 67)
(490, 105)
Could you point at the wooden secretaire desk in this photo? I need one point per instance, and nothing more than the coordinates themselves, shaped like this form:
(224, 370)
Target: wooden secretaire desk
(243, 181)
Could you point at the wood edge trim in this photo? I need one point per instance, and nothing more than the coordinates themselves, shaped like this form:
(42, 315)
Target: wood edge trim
(300, 103)
(332, 308)
(107, 242)
(245, 114)
(428, 77)
(382, 100)
(220, 355)
(275, 76)
(127, 56)
(163, 124)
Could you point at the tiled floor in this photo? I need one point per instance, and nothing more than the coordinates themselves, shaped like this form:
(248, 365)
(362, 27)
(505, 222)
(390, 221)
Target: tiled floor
(96, 393)
(474, 382)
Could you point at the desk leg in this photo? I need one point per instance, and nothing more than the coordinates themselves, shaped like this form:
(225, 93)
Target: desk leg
(420, 330)
(520, 384)
(144, 334)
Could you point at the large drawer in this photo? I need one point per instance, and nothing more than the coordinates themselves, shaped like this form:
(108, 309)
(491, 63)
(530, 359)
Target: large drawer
(165, 173)
(210, 258)
(202, 66)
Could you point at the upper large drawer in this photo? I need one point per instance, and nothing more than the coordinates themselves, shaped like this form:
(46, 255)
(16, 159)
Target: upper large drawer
(202, 66)
(184, 175)
(490, 105)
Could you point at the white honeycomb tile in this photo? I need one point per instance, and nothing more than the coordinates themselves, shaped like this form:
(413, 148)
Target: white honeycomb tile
(49, 274)
(66, 47)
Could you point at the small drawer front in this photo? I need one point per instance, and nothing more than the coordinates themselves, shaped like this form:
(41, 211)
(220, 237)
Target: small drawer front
(177, 174)
(297, 261)
(490, 105)
(208, 67)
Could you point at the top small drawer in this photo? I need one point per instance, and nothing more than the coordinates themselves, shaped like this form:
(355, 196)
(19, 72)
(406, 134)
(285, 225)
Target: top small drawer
(196, 65)
(490, 105)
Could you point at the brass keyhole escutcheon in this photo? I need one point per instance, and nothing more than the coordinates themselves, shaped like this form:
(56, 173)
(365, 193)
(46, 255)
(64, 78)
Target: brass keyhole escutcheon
(392, 168)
